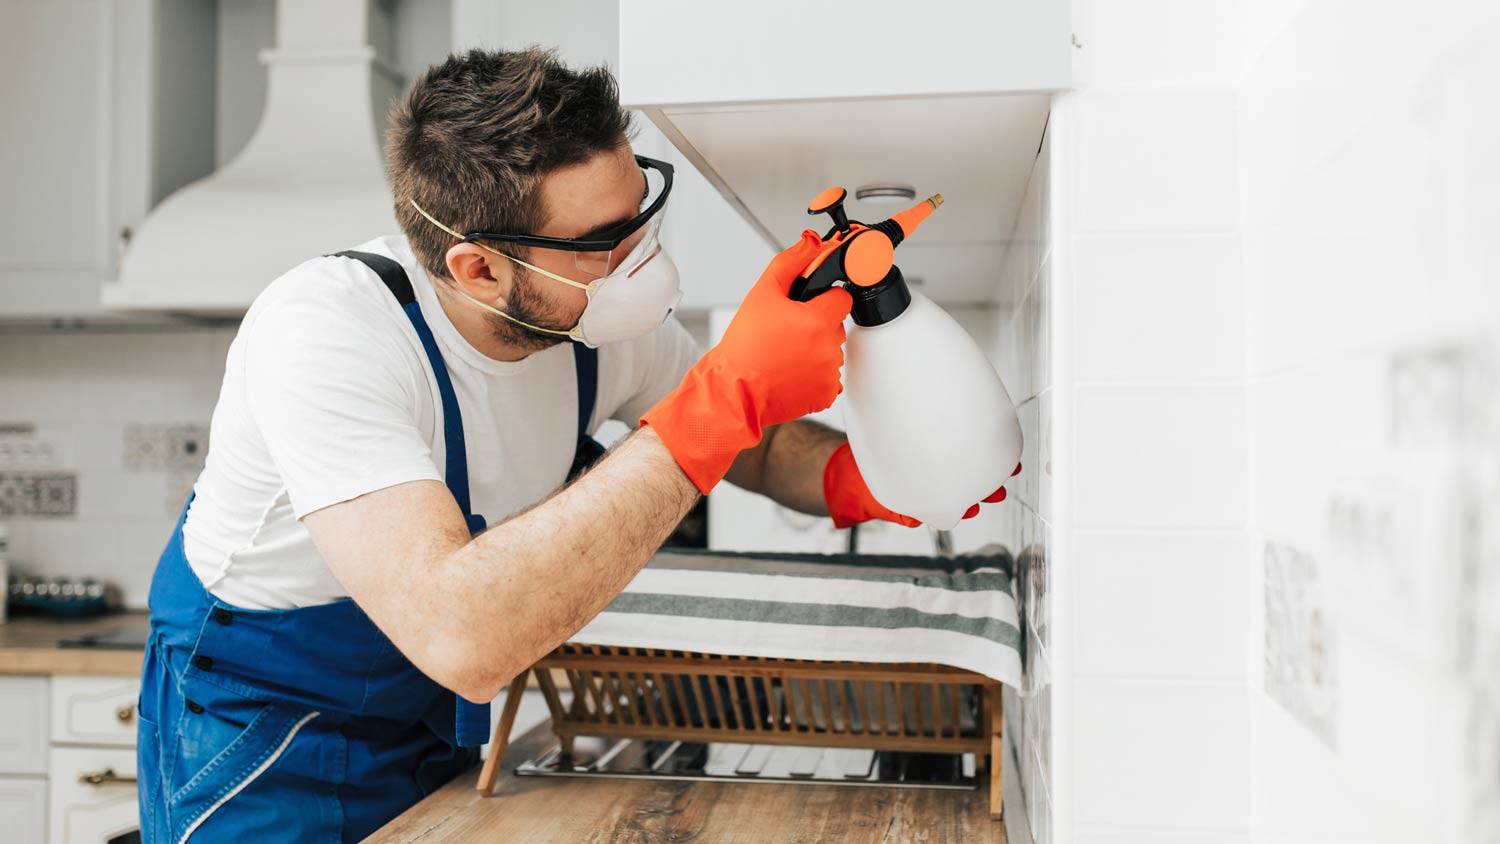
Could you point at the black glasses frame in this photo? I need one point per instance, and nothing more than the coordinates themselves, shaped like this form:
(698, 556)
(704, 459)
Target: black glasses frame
(600, 243)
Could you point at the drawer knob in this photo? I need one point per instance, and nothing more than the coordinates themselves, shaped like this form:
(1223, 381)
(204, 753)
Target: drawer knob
(105, 777)
(125, 714)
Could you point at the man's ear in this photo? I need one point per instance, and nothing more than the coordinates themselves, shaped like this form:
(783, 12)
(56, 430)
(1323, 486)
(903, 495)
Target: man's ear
(479, 272)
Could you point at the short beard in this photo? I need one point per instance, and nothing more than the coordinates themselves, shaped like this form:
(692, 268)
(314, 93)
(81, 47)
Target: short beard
(527, 305)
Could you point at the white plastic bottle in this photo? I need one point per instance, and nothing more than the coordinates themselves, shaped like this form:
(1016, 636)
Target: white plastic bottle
(929, 421)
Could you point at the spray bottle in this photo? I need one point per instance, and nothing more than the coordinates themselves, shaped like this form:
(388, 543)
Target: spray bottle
(930, 424)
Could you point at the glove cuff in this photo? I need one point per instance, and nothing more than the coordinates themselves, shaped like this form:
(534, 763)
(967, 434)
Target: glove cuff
(842, 507)
(706, 422)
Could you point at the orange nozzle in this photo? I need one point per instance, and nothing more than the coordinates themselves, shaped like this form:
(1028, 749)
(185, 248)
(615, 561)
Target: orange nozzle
(912, 217)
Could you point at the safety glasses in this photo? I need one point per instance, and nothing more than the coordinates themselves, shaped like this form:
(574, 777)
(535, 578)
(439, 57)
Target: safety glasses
(614, 248)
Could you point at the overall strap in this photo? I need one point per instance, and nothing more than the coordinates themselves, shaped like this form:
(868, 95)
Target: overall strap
(456, 463)
(471, 726)
(586, 367)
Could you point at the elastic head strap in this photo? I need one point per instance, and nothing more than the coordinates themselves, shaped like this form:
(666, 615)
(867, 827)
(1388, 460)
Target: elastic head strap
(482, 245)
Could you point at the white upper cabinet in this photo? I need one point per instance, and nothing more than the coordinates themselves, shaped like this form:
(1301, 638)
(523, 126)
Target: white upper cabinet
(774, 101)
(108, 106)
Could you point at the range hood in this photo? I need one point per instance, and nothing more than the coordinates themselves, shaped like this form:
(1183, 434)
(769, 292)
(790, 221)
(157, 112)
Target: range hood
(310, 180)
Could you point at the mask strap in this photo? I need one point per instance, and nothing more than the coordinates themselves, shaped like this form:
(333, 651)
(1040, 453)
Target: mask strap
(572, 333)
(590, 287)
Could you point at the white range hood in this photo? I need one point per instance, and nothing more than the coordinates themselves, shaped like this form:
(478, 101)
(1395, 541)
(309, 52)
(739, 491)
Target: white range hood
(310, 181)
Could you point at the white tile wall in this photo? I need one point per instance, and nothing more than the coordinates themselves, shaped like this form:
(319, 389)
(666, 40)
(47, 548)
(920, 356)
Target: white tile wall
(1151, 720)
(1152, 161)
(1159, 307)
(1168, 756)
(1023, 355)
(1163, 605)
(81, 390)
(1159, 457)
(1368, 243)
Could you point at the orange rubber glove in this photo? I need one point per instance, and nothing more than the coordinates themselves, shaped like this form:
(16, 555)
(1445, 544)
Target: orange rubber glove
(850, 502)
(778, 361)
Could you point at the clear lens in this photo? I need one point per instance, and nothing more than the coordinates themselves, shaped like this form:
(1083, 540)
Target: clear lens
(634, 250)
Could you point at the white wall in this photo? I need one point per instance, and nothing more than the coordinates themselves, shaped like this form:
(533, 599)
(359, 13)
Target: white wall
(1369, 177)
(1023, 354)
(90, 398)
(1150, 595)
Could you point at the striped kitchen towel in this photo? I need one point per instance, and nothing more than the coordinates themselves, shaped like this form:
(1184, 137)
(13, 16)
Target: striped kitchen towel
(957, 611)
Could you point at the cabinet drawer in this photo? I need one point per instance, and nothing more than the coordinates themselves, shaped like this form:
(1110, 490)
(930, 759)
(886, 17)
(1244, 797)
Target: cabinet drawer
(91, 795)
(23, 808)
(94, 710)
(23, 725)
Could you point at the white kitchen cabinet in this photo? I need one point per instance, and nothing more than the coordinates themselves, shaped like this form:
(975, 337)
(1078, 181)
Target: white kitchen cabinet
(91, 795)
(23, 809)
(94, 710)
(109, 106)
(23, 725)
(786, 98)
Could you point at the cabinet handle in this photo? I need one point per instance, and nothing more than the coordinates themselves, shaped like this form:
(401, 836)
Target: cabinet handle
(125, 714)
(105, 777)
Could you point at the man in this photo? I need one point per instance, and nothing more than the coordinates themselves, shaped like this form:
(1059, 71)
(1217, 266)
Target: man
(382, 406)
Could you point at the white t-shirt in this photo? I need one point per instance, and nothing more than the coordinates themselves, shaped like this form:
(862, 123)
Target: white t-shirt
(328, 395)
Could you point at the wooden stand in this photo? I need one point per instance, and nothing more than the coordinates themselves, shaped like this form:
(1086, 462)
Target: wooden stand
(696, 697)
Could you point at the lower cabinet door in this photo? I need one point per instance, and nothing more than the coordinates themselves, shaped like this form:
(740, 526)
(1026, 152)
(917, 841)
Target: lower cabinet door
(23, 809)
(92, 796)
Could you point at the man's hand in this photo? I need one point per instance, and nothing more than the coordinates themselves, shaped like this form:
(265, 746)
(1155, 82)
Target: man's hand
(850, 501)
(779, 360)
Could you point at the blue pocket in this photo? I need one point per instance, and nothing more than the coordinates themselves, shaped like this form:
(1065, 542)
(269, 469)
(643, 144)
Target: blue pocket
(238, 764)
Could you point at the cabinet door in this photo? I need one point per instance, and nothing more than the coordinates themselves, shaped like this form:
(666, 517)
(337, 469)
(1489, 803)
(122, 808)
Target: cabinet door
(23, 809)
(94, 710)
(55, 243)
(92, 795)
(23, 725)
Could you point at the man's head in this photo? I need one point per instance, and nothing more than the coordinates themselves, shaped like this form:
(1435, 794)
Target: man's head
(515, 143)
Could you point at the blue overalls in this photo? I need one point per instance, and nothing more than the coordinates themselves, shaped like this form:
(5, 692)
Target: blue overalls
(306, 724)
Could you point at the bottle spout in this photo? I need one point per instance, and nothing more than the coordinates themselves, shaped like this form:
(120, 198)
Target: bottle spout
(912, 217)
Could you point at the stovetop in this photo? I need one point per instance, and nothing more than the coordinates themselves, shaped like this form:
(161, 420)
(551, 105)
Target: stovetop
(131, 638)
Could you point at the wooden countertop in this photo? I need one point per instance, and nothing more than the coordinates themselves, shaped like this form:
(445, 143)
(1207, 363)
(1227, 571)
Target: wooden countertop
(28, 645)
(542, 810)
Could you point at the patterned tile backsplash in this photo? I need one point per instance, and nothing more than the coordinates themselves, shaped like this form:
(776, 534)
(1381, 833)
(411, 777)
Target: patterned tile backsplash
(102, 436)
(1300, 655)
(157, 447)
(38, 495)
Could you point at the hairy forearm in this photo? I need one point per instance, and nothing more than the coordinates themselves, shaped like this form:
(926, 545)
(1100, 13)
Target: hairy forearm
(787, 466)
(524, 586)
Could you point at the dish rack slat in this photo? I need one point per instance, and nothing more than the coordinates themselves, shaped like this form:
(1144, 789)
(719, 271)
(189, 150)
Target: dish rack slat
(697, 697)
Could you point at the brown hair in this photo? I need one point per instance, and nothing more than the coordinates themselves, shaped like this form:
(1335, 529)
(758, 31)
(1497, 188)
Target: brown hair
(472, 140)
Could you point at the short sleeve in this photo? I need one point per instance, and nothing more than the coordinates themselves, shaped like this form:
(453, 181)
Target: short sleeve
(660, 367)
(335, 401)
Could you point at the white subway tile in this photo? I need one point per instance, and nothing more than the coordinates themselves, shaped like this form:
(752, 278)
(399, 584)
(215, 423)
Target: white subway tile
(1158, 307)
(1160, 755)
(1154, 42)
(1159, 457)
(1156, 162)
(1166, 605)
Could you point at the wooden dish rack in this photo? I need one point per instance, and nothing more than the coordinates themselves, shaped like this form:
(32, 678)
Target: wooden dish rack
(696, 697)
